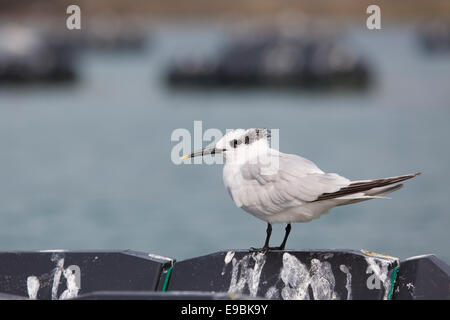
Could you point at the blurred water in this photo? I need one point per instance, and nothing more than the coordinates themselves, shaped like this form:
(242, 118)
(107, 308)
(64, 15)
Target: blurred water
(88, 166)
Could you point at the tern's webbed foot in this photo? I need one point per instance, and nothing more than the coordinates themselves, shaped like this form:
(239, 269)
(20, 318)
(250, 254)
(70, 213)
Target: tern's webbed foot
(264, 249)
(259, 250)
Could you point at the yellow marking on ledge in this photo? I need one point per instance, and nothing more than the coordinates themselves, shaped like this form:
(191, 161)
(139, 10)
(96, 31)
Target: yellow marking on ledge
(374, 254)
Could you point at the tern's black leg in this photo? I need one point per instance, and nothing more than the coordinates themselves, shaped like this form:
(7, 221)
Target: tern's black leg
(269, 233)
(266, 243)
(286, 235)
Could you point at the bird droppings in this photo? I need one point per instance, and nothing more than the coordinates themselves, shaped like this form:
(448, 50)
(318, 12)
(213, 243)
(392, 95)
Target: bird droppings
(322, 280)
(312, 279)
(33, 287)
(246, 273)
(72, 287)
(296, 279)
(60, 275)
(57, 271)
(380, 270)
(272, 274)
(229, 256)
(272, 293)
(348, 284)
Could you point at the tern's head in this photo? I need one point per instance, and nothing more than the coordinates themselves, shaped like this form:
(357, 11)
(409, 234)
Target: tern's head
(238, 144)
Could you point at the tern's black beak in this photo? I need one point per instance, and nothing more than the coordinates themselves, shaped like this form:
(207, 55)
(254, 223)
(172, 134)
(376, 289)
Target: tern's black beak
(203, 152)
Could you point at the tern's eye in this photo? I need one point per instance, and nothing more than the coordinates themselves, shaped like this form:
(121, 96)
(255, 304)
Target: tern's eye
(234, 143)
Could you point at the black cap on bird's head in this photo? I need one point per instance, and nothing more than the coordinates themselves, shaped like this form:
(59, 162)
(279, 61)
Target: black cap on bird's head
(232, 140)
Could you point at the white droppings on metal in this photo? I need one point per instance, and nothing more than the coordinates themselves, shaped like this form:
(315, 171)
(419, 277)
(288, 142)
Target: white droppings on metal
(72, 288)
(300, 282)
(322, 280)
(380, 268)
(33, 287)
(229, 256)
(298, 279)
(295, 277)
(272, 293)
(57, 271)
(247, 272)
(348, 284)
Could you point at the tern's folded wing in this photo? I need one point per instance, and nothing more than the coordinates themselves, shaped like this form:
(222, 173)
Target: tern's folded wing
(295, 181)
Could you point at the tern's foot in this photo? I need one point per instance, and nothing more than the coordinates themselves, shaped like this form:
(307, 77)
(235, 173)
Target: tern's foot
(265, 249)
(259, 250)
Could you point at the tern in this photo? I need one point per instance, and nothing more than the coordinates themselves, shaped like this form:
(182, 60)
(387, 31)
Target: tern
(285, 188)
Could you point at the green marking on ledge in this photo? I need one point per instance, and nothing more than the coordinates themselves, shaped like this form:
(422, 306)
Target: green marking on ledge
(391, 289)
(166, 280)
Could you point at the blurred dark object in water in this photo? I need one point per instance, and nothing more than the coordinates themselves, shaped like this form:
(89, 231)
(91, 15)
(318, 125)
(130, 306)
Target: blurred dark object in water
(275, 61)
(30, 56)
(110, 33)
(435, 37)
(115, 39)
(82, 41)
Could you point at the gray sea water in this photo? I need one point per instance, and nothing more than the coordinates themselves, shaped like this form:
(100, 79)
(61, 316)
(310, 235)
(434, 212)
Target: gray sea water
(88, 166)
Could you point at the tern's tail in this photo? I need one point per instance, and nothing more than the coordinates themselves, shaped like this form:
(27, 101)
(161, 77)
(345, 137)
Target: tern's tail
(367, 189)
